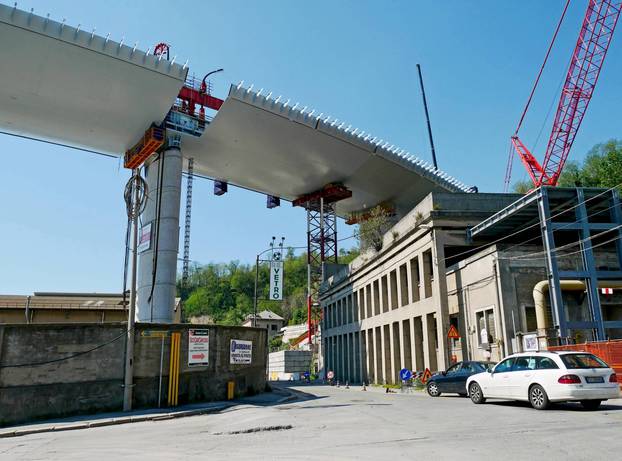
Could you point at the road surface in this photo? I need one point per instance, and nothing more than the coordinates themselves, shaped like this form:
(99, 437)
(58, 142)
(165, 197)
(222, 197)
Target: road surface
(335, 423)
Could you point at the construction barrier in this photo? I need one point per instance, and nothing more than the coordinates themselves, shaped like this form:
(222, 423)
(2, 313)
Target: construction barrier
(609, 351)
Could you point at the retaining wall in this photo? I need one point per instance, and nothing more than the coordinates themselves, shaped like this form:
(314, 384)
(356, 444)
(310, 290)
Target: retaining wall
(49, 371)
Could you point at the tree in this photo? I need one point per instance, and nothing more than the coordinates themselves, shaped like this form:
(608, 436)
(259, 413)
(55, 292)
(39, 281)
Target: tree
(371, 230)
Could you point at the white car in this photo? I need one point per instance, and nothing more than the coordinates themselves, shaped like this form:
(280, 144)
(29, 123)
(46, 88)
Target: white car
(544, 377)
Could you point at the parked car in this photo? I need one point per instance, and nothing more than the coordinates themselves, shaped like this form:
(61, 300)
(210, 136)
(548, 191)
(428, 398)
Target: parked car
(544, 377)
(454, 379)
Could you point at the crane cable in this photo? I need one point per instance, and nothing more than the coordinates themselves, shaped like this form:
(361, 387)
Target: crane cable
(533, 90)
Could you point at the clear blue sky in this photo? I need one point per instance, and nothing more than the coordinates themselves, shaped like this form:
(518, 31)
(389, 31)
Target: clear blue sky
(63, 218)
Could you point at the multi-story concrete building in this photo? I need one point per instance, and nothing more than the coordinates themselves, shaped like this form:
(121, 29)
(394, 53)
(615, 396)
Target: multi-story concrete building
(392, 309)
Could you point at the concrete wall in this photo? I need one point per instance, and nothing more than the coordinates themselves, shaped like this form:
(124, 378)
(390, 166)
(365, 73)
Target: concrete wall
(285, 365)
(93, 382)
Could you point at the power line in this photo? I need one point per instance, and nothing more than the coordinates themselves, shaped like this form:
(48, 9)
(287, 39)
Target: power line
(71, 356)
(567, 245)
(22, 136)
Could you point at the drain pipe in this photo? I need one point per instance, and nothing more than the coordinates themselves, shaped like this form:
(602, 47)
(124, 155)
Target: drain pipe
(540, 291)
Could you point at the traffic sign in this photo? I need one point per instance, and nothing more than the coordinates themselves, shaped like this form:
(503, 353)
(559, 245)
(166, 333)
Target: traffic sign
(453, 333)
(405, 374)
(330, 374)
(427, 374)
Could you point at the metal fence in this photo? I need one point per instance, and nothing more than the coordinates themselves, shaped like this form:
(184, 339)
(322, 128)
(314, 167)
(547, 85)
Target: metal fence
(609, 351)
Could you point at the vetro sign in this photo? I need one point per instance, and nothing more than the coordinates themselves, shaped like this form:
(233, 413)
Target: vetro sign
(276, 277)
(241, 352)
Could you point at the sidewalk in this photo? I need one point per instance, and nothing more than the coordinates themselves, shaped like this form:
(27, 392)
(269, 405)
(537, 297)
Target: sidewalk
(276, 397)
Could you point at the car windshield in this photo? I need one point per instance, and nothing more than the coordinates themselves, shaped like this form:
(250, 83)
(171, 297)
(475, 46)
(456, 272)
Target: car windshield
(574, 361)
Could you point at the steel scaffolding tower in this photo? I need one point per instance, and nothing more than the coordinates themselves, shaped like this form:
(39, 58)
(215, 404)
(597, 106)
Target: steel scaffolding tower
(186, 267)
(321, 243)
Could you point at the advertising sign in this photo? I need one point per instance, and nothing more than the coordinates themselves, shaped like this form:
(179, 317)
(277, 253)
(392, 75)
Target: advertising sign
(144, 238)
(198, 348)
(241, 352)
(276, 277)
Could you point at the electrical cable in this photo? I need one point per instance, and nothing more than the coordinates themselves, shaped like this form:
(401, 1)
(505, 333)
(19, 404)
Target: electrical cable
(560, 227)
(133, 212)
(157, 230)
(567, 245)
(71, 356)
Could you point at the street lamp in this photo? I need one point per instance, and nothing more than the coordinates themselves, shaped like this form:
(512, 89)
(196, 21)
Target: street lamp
(257, 272)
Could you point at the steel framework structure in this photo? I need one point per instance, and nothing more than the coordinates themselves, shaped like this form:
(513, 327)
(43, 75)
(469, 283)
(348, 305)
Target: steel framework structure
(587, 60)
(186, 266)
(321, 243)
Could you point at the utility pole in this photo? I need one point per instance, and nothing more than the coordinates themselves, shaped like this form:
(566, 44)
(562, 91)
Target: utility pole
(427, 117)
(257, 261)
(129, 348)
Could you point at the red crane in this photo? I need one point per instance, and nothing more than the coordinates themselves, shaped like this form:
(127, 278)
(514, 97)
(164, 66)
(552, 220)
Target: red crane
(587, 60)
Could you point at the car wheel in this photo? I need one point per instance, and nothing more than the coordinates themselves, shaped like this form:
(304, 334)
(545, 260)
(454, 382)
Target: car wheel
(590, 404)
(433, 389)
(538, 398)
(476, 394)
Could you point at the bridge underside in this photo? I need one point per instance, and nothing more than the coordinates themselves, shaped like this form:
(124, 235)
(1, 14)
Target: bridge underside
(264, 145)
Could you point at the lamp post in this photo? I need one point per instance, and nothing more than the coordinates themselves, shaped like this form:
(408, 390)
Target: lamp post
(257, 260)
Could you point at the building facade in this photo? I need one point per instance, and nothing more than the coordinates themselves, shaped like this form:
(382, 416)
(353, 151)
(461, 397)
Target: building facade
(393, 309)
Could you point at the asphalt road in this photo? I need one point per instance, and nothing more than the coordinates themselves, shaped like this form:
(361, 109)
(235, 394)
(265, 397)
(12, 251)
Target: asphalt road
(331, 423)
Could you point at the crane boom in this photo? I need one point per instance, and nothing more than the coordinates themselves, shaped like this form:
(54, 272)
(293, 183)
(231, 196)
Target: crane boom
(587, 60)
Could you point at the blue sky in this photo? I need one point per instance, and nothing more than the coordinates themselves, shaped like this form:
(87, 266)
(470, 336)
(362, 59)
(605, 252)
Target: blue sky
(63, 221)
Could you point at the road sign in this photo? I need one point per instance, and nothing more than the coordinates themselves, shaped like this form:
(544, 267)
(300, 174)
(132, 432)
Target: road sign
(330, 374)
(453, 333)
(405, 374)
(427, 374)
(198, 348)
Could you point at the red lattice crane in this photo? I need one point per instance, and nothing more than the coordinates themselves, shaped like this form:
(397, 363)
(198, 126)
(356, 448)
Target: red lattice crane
(587, 60)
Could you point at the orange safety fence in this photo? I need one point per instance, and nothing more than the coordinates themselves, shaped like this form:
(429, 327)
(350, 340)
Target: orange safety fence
(609, 351)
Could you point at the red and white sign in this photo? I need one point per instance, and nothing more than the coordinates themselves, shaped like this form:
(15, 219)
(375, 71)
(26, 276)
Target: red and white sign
(330, 374)
(427, 374)
(198, 348)
(606, 291)
(453, 333)
(144, 238)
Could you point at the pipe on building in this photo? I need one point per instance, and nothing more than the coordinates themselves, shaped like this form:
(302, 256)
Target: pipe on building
(541, 288)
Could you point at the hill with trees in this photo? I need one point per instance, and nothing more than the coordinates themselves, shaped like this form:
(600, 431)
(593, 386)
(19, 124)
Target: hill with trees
(223, 293)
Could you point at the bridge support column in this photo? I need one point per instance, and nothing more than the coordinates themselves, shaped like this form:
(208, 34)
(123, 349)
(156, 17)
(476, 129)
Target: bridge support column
(157, 265)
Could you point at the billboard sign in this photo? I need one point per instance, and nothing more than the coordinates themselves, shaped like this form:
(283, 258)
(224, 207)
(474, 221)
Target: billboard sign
(276, 277)
(198, 347)
(240, 352)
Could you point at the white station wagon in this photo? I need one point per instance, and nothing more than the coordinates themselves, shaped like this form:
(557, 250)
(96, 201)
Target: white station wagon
(544, 377)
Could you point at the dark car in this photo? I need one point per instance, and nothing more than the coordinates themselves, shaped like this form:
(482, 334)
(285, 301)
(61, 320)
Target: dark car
(454, 379)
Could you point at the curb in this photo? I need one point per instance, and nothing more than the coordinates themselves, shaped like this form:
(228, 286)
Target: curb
(291, 396)
(114, 421)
